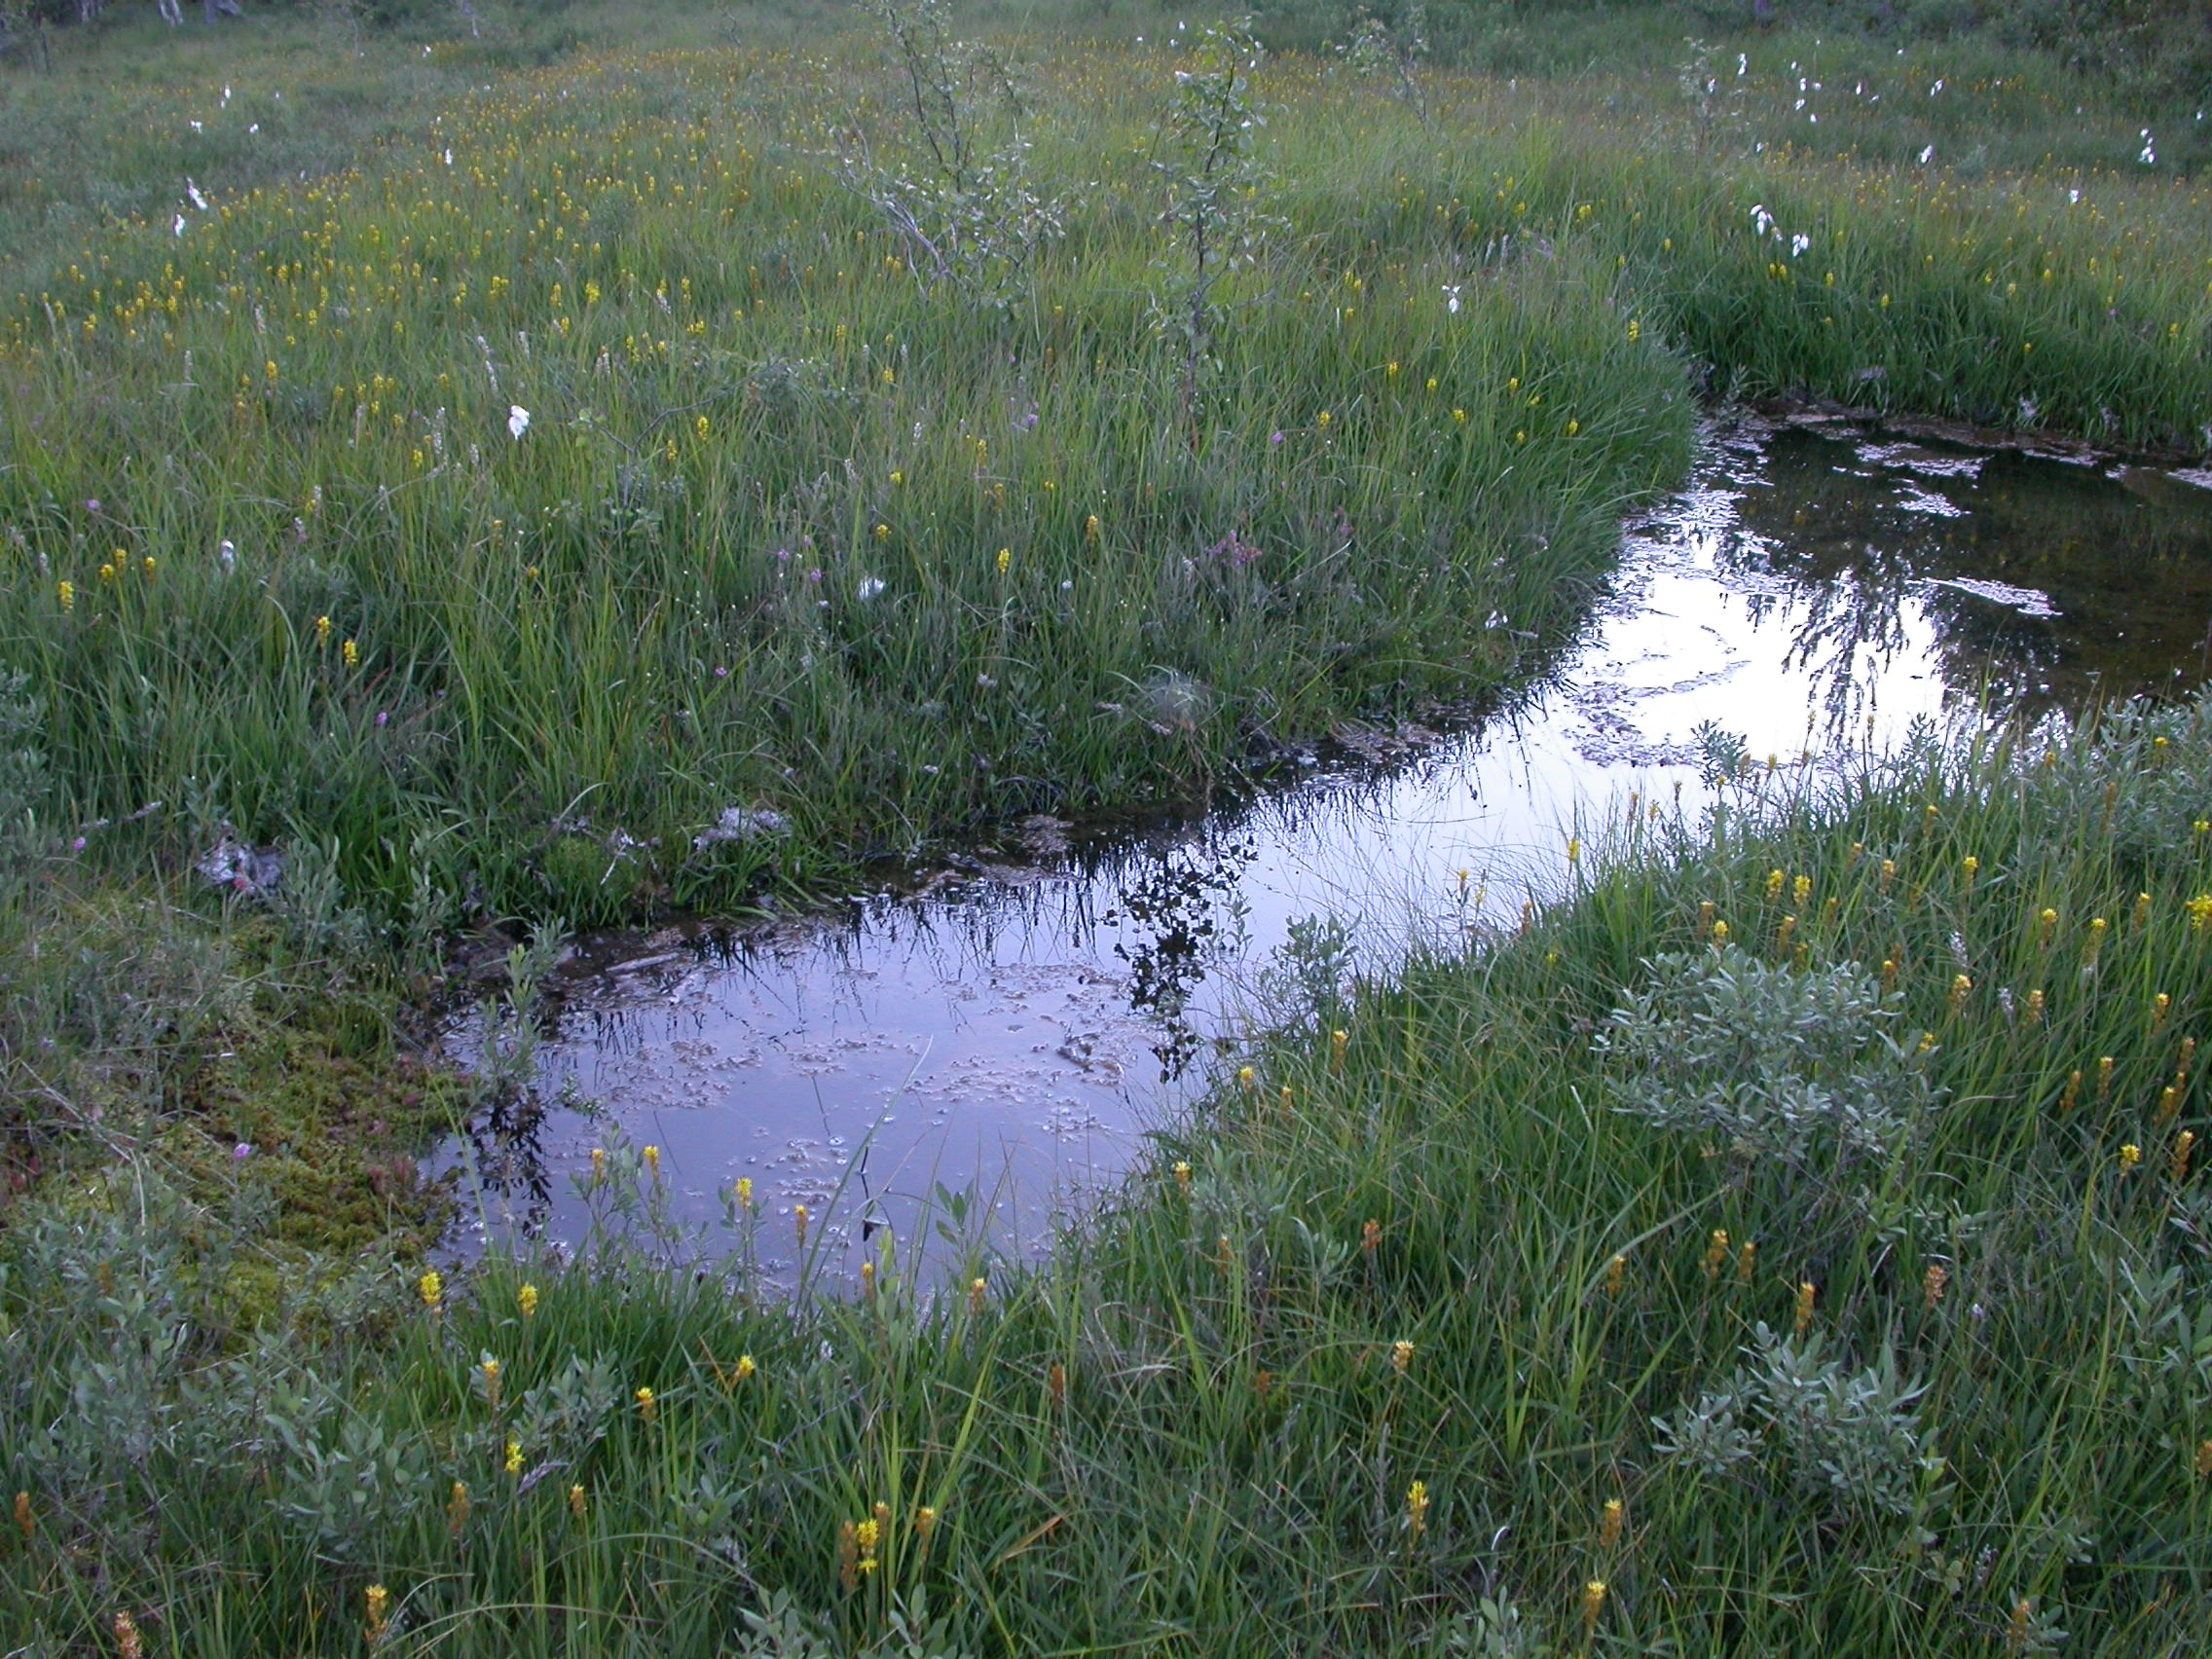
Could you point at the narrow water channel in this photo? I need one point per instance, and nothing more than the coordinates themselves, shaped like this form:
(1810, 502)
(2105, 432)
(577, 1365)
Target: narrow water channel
(1013, 1027)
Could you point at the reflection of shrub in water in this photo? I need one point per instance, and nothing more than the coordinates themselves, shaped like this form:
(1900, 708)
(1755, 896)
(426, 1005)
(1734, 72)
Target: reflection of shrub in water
(1173, 906)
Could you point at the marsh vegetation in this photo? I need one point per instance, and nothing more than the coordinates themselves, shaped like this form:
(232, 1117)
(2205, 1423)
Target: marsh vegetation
(462, 476)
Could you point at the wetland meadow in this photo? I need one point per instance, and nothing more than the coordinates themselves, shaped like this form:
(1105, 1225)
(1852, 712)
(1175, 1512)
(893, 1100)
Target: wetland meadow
(1545, 659)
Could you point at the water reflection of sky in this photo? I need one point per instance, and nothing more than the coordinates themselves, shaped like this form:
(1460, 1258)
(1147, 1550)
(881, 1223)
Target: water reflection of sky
(1013, 1030)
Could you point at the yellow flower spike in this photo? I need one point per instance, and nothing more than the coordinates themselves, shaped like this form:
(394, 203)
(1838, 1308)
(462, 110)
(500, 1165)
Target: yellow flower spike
(798, 1223)
(868, 1278)
(648, 1407)
(2141, 908)
(1802, 889)
(598, 1165)
(1459, 415)
(2103, 1079)
(1369, 1237)
(350, 651)
(431, 1287)
(1431, 382)
(27, 1522)
(883, 532)
(322, 630)
(1339, 1043)
(1635, 327)
(489, 1367)
(514, 1458)
(2162, 1005)
(1720, 932)
(978, 1289)
(1401, 1357)
(1933, 1284)
(1090, 528)
(1416, 1508)
(702, 429)
(376, 1599)
(2035, 1007)
(652, 1161)
(1716, 1253)
(1322, 421)
(925, 1523)
(147, 564)
(576, 1502)
(1962, 987)
(2199, 910)
(66, 593)
(1592, 1604)
(2169, 1105)
(744, 1193)
(2130, 1155)
(1774, 880)
(457, 1509)
(1889, 873)
(1574, 428)
(1391, 372)
(1747, 1261)
(1610, 1521)
(1182, 1175)
(1617, 1275)
(1806, 1294)
(2071, 1096)
(2177, 1163)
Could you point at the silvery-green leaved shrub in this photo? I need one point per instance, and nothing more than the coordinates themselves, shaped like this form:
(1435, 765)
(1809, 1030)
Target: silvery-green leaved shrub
(1852, 1441)
(1768, 1061)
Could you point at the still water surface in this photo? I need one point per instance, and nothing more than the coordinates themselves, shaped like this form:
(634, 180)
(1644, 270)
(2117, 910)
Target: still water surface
(1013, 1027)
